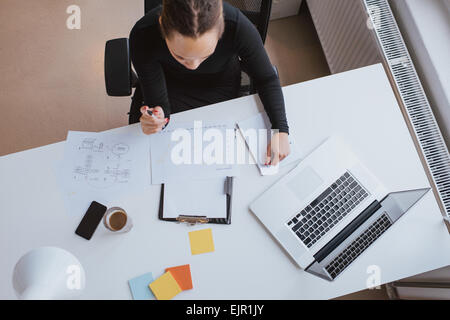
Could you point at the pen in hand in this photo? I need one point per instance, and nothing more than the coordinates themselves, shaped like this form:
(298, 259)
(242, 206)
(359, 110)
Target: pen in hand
(156, 115)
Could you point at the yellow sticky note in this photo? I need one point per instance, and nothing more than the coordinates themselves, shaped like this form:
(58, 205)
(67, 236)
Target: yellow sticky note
(165, 287)
(201, 241)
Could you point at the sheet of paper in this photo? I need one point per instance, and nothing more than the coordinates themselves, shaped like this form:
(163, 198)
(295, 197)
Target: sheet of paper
(258, 145)
(103, 167)
(193, 150)
(165, 287)
(202, 197)
(201, 241)
(77, 202)
(139, 287)
(182, 275)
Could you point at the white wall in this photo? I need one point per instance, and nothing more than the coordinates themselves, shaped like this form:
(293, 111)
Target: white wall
(284, 8)
(425, 26)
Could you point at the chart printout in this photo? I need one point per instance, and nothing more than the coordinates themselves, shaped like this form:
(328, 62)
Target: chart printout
(104, 166)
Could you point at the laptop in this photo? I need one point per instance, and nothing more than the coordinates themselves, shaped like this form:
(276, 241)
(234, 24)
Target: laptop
(329, 209)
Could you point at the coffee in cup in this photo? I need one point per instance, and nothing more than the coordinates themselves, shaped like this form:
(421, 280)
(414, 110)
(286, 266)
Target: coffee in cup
(117, 220)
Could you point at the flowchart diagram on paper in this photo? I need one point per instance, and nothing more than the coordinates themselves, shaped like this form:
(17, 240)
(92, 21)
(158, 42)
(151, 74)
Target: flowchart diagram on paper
(103, 166)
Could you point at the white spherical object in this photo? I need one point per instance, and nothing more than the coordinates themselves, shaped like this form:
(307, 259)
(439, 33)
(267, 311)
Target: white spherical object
(48, 273)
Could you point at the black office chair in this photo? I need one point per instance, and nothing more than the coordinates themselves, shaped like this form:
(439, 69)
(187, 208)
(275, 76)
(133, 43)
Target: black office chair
(120, 78)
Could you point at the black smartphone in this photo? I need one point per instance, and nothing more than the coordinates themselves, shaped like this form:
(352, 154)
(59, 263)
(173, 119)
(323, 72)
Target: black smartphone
(91, 219)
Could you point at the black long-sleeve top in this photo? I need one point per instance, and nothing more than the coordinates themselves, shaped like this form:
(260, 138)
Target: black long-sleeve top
(154, 63)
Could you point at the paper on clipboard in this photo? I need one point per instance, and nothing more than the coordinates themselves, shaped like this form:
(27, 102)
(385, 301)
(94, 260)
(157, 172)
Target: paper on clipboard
(198, 197)
(259, 150)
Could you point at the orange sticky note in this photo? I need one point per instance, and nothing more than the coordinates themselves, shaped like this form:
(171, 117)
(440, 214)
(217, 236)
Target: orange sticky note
(165, 287)
(182, 275)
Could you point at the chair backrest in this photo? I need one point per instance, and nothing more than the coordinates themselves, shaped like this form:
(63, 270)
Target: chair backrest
(151, 4)
(257, 11)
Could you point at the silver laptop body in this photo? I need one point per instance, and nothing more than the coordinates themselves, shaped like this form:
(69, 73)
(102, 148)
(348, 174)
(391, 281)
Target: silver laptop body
(329, 209)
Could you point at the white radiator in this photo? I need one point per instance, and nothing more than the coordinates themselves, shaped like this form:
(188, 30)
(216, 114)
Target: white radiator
(357, 33)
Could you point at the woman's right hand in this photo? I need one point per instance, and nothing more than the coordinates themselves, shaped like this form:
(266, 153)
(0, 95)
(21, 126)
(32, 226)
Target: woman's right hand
(152, 124)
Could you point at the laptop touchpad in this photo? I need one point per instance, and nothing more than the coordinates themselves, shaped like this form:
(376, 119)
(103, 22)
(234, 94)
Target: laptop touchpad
(304, 183)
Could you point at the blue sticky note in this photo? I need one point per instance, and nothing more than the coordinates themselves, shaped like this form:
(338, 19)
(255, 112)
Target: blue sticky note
(139, 287)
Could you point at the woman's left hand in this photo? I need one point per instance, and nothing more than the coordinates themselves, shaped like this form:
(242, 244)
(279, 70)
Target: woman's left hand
(278, 148)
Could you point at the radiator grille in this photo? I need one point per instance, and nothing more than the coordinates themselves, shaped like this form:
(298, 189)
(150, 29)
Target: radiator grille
(413, 96)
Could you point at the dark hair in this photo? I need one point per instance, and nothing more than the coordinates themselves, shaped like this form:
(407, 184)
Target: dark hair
(191, 18)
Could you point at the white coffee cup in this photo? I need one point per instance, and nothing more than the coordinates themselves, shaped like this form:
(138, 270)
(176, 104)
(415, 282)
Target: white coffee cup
(117, 220)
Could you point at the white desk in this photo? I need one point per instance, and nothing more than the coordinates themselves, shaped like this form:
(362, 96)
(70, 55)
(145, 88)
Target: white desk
(359, 105)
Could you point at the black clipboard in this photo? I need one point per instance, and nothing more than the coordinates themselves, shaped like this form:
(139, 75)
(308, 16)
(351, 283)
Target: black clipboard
(192, 220)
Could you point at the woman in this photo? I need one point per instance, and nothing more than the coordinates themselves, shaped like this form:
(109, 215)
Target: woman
(187, 54)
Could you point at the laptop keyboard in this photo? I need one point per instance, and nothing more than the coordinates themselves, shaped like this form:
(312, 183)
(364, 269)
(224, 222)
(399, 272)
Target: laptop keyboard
(349, 254)
(327, 209)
